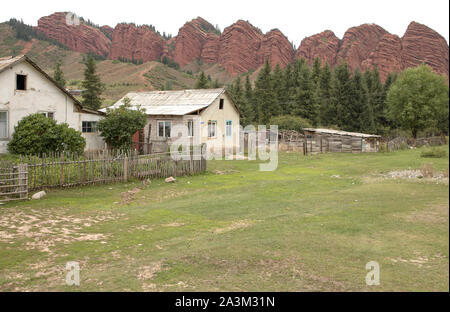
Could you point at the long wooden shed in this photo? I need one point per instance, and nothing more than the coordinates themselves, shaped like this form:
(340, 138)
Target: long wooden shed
(329, 140)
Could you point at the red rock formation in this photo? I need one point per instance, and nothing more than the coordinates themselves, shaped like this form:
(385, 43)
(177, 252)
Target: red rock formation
(358, 43)
(81, 38)
(107, 30)
(324, 45)
(239, 48)
(210, 50)
(387, 56)
(190, 40)
(243, 47)
(276, 48)
(138, 43)
(421, 44)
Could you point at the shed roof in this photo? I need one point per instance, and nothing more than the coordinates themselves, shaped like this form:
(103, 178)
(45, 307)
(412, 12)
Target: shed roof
(179, 102)
(339, 132)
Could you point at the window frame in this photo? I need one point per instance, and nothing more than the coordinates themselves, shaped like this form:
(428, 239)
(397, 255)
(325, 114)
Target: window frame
(6, 124)
(228, 127)
(45, 113)
(93, 126)
(164, 128)
(190, 129)
(210, 124)
(24, 84)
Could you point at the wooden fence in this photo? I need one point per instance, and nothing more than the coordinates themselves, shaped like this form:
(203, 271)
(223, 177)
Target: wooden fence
(13, 181)
(403, 143)
(66, 170)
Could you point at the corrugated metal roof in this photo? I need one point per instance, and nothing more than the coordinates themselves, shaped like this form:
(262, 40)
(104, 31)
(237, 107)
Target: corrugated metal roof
(180, 102)
(339, 132)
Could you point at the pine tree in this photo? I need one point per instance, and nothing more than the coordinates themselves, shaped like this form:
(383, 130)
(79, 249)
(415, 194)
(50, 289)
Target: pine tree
(215, 84)
(315, 75)
(92, 85)
(304, 104)
(264, 94)
(375, 94)
(58, 75)
(277, 87)
(286, 96)
(202, 82)
(340, 95)
(325, 93)
(250, 107)
(360, 114)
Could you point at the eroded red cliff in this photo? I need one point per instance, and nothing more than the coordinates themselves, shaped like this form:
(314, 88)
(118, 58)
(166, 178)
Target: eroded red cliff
(77, 37)
(133, 42)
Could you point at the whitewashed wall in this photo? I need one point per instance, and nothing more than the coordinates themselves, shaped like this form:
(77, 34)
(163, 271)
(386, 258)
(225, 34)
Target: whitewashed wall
(41, 96)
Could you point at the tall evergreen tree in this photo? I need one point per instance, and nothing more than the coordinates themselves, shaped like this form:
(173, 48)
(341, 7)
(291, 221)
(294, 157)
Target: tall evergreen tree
(277, 86)
(58, 75)
(315, 75)
(215, 84)
(92, 85)
(264, 94)
(305, 106)
(202, 82)
(375, 91)
(340, 95)
(360, 114)
(286, 96)
(325, 109)
(250, 106)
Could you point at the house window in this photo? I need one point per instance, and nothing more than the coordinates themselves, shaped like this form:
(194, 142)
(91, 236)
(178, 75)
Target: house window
(164, 128)
(89, 126)
(228, 128)
(221, 104)
(190, 125)
(3, 124)
(212, 127)
(21, 82)
(50, 115)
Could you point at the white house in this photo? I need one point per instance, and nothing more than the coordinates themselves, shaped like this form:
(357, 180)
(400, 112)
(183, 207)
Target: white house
(26, 89)
(208, 115)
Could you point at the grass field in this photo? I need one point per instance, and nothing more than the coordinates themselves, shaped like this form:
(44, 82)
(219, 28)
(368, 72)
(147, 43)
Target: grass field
(311, 225)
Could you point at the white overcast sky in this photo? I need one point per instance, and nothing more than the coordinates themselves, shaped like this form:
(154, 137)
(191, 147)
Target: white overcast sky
(296, 19)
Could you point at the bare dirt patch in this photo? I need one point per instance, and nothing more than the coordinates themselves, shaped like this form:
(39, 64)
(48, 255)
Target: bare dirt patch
(128, 196)
(43, 229)
(419, 261)
(434, 214)
(240, 224)
(425, 173)
(219, 172)
(147, 273)
(173, 224)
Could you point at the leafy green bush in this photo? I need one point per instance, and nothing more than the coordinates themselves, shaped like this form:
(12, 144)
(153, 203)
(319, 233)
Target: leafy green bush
(36, 134)
(288, 122)
(121, 124)
(433, 152)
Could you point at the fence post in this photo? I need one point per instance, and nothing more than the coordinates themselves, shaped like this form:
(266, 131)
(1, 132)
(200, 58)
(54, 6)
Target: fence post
(62, 170)
(125, 169)
(23, 180)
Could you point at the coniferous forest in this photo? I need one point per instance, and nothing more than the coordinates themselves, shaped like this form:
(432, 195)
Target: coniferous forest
(321, 97)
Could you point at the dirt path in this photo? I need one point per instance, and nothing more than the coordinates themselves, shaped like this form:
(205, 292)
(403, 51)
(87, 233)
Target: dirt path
(28, 46)
(144, 71)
